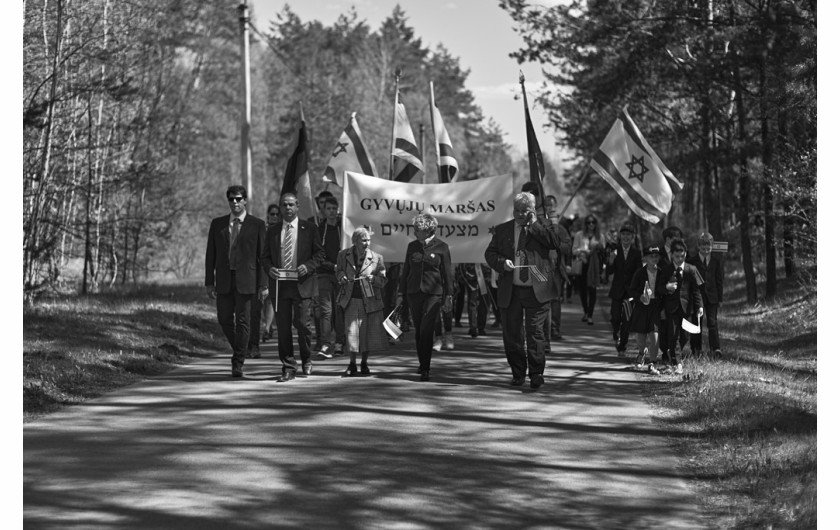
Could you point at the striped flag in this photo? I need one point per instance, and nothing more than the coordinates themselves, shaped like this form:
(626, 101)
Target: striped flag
(447, 165)
(296, 177)
(406, 157)
(629, 165)
(349, 154)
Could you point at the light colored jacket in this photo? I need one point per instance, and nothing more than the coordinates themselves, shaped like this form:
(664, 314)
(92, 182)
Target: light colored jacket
(372, 265)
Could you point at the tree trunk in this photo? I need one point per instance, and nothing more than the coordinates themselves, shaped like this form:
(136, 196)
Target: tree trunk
(744, 189)
(766, 190)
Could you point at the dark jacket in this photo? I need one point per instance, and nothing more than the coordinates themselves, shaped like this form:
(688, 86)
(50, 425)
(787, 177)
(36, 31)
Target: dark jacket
(427, 269)
(712, 288)
(309, 253)
(250, 278)
(686, 299)
(622, 271)
(538, 243)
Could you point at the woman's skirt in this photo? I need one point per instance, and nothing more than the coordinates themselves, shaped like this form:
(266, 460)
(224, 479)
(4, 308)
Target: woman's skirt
(364, 331)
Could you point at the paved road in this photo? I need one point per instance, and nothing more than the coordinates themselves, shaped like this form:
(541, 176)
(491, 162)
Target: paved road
(197, 449)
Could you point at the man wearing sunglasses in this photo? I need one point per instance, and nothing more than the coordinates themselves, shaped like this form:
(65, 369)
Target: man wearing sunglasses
(232, 273)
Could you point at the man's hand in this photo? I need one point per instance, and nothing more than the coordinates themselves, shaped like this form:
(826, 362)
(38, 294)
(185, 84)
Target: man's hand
(274, 273)
(700, 312)
(301, 270)
(508, 265)
(263, 294)
(343, 279)
(211, 292)
(398, 301)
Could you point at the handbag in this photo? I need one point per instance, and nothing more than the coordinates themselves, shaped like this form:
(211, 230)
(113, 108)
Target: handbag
(577, 267)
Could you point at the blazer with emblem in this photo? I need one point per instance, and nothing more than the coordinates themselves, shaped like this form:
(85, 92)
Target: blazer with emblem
(686, 299)
(250, 278)
(427, 269)
(623, 271)
(372, 264)
(712, 288)
(309, 253)
(539, 241)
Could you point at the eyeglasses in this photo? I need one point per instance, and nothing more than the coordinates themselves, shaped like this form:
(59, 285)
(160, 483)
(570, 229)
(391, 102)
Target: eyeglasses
(236, 199)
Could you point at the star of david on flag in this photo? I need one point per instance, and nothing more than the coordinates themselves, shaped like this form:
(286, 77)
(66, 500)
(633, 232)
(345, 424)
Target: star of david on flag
(349, 154)
(628, 163)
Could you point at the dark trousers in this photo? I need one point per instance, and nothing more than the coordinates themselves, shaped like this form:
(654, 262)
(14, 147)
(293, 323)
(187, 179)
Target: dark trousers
(710, 321)
(620, 326)
(461, 295)
(256, 316)
(674, 336)
(234, 313)
(587, 295)
(476, 310)
(425, 311)
(528, 352)
(293, 312)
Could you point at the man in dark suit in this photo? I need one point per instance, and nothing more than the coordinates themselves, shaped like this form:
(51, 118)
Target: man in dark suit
(291, 257)
(519, 252)
(622, 263)
(711, 270)
(679, 285)
(232, 274)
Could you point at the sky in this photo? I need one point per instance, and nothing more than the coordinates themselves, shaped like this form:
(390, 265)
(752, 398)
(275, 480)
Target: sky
(477, 32)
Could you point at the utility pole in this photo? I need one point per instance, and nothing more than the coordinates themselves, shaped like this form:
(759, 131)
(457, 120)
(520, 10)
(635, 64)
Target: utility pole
(245, 132)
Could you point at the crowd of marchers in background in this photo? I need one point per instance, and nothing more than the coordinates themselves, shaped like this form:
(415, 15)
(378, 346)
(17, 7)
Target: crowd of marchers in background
(290, 277)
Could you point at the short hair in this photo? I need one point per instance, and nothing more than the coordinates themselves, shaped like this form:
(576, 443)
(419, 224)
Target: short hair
(288, 194)
(678, 242)
(331, 200)
(525, 198)
(236, 188)
(424, 221)
(705, 236)
(360, 231)
(672, 232)
(323, 194)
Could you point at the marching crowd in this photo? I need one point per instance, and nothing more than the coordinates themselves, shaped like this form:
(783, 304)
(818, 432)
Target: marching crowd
(290, 276)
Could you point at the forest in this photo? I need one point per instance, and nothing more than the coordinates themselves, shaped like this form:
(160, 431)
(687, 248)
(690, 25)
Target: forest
(131, 120)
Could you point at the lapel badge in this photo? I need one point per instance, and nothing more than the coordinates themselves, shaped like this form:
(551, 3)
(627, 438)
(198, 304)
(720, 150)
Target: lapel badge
(433, 255)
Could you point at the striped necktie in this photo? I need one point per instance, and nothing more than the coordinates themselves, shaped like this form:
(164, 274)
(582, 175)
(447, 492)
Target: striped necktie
(287, 247)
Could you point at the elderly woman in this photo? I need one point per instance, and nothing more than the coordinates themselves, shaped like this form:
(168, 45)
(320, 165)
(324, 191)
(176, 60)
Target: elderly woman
(426, 285)
(361, 277)
(587, 247)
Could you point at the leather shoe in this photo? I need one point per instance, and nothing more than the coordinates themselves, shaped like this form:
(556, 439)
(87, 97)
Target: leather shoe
(351, 370)
(286, 376)
(537, 381)
(517, 381)
(365, 370)
(307, 369)
(424, 375)
(236, 372)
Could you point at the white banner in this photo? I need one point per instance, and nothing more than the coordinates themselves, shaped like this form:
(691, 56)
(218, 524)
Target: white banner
(465, 212)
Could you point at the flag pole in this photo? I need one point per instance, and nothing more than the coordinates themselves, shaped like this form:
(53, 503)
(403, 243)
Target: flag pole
(245, 126)
(527, 116)
(583, 175)
(434, 129)
(397, 73)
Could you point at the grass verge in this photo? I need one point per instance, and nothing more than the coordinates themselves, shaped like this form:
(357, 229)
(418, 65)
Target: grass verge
(76, 348)
(746, 427)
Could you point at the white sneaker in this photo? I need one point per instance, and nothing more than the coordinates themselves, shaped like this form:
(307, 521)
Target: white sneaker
(652, 370)
(448, 341)
(678, 370)
(438, 344)
(324, 352)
